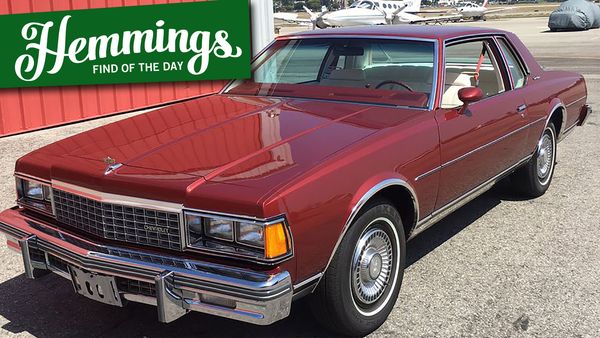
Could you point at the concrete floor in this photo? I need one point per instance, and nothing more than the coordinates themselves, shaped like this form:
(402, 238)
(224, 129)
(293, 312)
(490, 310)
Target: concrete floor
(498, 267)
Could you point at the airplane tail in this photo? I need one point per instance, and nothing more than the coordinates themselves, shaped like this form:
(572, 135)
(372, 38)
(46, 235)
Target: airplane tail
(485, 2)
(413, 6)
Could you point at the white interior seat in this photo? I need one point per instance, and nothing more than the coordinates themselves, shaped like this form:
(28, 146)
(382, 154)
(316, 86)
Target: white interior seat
(454, 83)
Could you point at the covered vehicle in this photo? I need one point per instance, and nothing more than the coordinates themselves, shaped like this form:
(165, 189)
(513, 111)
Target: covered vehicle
(575, 15)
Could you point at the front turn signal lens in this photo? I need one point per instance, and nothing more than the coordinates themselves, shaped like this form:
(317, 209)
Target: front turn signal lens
(276, 240)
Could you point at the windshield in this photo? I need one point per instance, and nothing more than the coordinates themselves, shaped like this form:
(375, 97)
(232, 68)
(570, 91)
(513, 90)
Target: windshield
(382, 71)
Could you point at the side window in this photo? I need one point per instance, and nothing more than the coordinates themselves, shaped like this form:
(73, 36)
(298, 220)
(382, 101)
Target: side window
(471, 64)
(514, 66)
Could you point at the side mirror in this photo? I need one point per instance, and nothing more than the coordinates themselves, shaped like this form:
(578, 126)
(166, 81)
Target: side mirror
(469, 95)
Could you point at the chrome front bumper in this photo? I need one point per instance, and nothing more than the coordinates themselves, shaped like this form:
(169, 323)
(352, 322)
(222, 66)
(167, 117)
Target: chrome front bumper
(180, 285)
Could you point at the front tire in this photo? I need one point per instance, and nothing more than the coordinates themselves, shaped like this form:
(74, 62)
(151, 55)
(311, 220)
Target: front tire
(359, 289)
(534, 178)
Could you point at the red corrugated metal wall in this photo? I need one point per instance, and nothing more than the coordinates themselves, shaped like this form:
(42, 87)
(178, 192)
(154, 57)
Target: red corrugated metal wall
(28, 109)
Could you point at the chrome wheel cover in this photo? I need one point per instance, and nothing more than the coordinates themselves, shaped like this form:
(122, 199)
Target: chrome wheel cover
(372, 264)
(545, 158)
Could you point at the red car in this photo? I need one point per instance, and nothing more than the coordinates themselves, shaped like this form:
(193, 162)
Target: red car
(305, 181)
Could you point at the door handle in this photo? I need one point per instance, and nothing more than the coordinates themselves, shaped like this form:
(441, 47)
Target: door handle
(521, 108)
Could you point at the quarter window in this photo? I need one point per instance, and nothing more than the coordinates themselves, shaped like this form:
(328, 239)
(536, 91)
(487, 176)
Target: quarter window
(518, 76)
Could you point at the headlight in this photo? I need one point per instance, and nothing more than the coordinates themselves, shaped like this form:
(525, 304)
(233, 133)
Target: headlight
(250, 234)
(263, 240)
(34, 194)
(219, 228)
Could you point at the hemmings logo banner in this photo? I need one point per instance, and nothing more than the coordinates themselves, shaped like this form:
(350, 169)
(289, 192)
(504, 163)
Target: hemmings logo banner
(158, 43)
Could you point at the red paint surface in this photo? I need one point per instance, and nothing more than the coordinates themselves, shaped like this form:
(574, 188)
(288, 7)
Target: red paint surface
(35, 108)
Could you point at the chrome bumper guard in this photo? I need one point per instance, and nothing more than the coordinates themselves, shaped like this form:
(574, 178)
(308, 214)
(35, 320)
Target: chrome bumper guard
(181, 285)
(586, 111)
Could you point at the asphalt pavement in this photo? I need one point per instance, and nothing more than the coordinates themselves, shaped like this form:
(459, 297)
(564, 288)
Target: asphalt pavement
(499, 267)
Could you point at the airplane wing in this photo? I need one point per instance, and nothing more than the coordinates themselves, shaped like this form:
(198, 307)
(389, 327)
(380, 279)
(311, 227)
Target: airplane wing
(291, 18)
(435, 19)
(487, 11)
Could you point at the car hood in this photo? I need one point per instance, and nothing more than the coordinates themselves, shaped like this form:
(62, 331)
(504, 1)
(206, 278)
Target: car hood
(255, 142)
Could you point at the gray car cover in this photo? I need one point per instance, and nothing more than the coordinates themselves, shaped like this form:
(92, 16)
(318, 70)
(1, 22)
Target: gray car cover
(575, 15)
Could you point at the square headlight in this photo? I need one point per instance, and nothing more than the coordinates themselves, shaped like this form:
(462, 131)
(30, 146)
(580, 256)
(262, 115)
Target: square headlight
(34, 194)
(219, 228)
(33, 190)
(251, 234)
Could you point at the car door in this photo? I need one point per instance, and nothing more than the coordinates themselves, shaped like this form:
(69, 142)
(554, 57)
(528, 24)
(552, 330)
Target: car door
(487, 137)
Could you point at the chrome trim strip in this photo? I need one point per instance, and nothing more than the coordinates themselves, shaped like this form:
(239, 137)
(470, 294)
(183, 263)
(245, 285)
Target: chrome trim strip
(269, 220)
(428, 173)
(117, 199)
(579, 99)
(31, 178)
(464, 199)
(351, 36)
(308, 281)
(564, 116)
(471, 152)
(363, 200)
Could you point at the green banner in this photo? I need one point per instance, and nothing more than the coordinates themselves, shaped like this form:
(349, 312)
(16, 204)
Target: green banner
(158, 43)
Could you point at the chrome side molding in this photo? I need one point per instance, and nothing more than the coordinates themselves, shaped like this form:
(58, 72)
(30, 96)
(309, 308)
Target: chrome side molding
(464, 199)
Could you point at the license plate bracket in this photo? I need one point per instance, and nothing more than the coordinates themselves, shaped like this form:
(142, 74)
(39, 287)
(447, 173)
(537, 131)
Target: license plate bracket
(95, 286)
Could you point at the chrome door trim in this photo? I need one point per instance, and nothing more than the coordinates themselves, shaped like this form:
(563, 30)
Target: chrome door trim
(464, 199)
(471, 152)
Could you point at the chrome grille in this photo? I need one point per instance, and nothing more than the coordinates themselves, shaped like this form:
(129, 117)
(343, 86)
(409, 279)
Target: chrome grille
(119, 222)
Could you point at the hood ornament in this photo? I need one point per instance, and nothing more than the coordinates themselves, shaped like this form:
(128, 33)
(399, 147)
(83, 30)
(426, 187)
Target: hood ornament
(109, 160)
(111, 164)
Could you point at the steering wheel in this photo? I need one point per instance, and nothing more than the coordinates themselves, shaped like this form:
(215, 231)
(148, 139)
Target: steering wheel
(381, 84)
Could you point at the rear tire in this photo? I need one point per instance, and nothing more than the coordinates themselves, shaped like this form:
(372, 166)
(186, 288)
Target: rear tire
(359, 289)
(534, 178)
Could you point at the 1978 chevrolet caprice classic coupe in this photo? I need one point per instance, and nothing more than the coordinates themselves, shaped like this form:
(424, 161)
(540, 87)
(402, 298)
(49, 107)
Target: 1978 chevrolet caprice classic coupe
(305, 181)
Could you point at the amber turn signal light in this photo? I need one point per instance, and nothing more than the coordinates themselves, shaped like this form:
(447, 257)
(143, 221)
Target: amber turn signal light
(276, 242)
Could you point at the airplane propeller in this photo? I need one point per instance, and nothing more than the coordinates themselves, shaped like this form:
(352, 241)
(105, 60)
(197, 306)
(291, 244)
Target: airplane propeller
(316, 18)
(391, 18)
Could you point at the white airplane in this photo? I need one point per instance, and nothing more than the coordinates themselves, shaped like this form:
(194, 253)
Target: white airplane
(368, 12)
(473, 11)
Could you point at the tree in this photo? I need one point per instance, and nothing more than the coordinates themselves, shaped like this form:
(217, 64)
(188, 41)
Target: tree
(314, 4)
